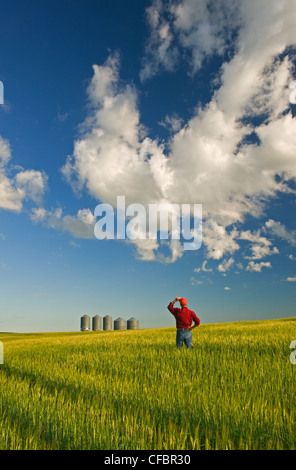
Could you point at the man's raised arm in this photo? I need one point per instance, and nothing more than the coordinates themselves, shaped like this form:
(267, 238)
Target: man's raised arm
(171, 304)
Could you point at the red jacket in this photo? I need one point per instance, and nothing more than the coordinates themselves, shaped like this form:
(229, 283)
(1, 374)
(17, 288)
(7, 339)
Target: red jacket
(184, 317)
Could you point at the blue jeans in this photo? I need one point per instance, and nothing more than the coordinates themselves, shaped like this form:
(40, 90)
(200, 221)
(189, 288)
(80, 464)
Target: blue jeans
(184, 336)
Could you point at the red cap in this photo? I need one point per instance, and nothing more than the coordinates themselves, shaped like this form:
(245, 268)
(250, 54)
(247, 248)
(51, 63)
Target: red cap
(183, 302)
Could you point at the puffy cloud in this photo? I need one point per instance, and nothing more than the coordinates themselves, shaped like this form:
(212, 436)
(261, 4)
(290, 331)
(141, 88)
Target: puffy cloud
(279, 230)
(218, 241)
(203, 268)
(110, 158)
(150, 250)
(80, 226)
(291, 279)
(201, 28)
(72, 243)
(195, 282)
(160, 51)
(260, 247)
(5, 151)
(10, 197)
(38, 214)
(32, 183)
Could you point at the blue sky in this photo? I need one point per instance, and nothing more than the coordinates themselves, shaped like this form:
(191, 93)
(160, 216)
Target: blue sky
(184, 101)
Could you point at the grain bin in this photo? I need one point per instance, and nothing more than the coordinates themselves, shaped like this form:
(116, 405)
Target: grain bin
(107, 322)
(132, 324)
(96, 323)
(119, 324)
(85, 323)
(1, 353)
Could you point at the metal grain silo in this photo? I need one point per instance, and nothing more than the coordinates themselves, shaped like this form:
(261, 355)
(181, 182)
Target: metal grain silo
(96, 323)
(107, 322)
(119, 324)
(132, 324)
(85, 323)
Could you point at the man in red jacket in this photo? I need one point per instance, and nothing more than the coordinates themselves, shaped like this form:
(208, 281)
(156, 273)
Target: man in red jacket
(184, 318)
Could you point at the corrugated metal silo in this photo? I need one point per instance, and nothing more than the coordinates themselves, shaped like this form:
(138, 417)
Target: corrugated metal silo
(119, 324)
(85, 323)
(96, 323)
(107, 322)
(133, 324)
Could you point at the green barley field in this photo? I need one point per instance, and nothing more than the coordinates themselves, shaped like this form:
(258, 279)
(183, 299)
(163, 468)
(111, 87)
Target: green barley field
(133, 390)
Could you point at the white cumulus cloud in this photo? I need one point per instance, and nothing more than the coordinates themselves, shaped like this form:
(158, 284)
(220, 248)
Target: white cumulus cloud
(80, 225)
(225, 265)
(260, 247)
(279, 230)
(252, 266)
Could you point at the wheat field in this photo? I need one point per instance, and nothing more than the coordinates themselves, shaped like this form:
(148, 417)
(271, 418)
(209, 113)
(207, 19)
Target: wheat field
(133, 390)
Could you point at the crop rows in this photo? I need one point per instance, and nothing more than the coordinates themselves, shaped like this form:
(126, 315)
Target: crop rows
(134, 390)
